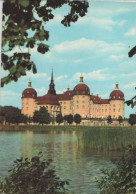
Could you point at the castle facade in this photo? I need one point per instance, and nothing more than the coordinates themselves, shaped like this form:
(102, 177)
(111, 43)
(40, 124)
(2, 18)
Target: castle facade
(79, 100)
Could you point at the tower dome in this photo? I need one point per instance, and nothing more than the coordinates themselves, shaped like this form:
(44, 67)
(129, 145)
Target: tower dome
(81, 88)
(116, 94)
(29, 92)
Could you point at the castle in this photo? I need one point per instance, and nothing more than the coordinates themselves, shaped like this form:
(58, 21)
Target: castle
(79, 100)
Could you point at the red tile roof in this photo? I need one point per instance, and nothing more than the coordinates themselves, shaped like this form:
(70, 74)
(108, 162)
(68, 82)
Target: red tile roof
(29, 93)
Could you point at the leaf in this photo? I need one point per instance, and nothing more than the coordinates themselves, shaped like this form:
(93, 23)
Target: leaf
(24, 3)
(12, 69)
(132, 52)
(34, 68)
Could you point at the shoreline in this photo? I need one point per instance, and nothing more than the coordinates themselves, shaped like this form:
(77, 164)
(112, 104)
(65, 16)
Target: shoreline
(45, 128)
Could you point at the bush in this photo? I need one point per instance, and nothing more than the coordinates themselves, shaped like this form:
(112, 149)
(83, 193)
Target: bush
(34, 176)
(122, 178)
(132, 119)
(77, 118)
(59, 118)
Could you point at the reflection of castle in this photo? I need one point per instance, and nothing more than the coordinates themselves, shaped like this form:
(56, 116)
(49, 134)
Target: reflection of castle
(79, 100)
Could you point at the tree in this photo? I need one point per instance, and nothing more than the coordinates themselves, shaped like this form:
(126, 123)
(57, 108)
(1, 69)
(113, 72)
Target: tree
(42, 116)
(132, 119)
(24, 28)
(12, 114)
(122, 178)
(77, 118)
(32, 176)
(109, 119)
(120, 119)
(70, 118)
(59, 118)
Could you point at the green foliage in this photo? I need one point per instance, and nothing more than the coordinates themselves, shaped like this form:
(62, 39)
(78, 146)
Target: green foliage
(42, 116)
(122, 178)
(2, 119)
(109, 119)
(59, 118)
(12, 114)
(120, 119)
(132, 119)
(77, 118)
(24, 28)
(32, 176)
(69, 118)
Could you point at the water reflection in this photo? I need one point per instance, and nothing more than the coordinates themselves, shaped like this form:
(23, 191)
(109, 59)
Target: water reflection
(71, 161)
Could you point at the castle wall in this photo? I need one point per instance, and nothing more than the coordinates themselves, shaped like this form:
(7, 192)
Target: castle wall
(116, 108)
(28, 105)
(81, 105)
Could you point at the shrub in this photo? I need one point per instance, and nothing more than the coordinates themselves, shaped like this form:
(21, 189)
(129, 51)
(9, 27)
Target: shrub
(59, 118)
(34, 176)
(122, 178)
(77, 118)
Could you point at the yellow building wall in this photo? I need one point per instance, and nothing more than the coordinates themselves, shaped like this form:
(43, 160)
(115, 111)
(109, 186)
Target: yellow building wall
(28, 105)
(81, 105)
(116, 108)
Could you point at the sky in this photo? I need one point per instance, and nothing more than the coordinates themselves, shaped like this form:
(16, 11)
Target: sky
(97, 46)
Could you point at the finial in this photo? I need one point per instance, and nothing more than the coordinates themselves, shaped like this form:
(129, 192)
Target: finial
(29, 83)
(68, 88)
(52, 75)
(81, 78)
(116, 86)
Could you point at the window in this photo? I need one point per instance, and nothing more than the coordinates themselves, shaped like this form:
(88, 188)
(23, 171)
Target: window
(83, 101)
(77, 101)
(27, 108)
(114, 105)
(77, 107)
(105, 110)
(119, 109)
(64, 107)
(83, 106)
(114, 110)
(83, 96)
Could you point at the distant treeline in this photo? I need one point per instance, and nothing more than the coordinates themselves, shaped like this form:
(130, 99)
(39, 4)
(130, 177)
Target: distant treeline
(10, 114)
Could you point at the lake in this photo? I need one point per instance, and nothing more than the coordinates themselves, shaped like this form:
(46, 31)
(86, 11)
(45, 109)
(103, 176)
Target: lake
(71, 161)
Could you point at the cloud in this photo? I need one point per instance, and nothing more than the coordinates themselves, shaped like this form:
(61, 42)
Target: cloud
(41, 91)
(96, 75)
(131, 32)
(128, 75)
(109, 11)
(130, 85)
(106, 23)
(117, 57)
(35, 76)
(84, 45)
(60, 77)
(9, 97)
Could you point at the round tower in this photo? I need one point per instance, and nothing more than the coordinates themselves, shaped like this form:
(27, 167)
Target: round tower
(81, 99)
(28, 100)
(116, 103)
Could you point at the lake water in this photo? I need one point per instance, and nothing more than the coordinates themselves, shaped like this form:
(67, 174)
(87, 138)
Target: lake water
(82, 166)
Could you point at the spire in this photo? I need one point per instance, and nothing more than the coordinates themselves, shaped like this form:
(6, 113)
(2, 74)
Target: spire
(52, 85)
(52, 76)
(29, 84)
(81, 78)
(116, 86)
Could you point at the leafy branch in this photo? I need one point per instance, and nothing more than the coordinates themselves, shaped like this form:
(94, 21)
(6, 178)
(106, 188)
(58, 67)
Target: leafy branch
(24, 24)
